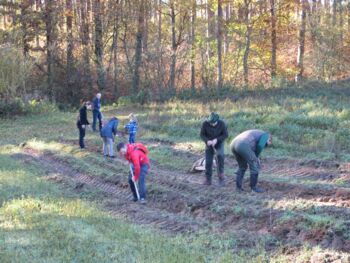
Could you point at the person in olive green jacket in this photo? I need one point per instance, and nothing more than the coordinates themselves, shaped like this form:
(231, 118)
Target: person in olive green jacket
(247, 147)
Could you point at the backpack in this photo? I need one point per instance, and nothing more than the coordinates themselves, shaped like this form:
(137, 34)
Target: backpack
(141, 147)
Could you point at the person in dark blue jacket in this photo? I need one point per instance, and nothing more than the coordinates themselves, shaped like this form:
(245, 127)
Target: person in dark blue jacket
(96, 112)
(108, 132)
(82, 122)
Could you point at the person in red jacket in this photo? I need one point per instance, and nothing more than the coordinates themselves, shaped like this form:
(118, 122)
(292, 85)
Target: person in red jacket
(136, 155)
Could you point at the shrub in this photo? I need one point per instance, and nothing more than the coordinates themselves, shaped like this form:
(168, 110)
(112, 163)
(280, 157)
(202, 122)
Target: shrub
(18, 107)
(14, 71)
(124, 101)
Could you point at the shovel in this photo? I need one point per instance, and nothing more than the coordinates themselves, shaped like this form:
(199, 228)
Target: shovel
(135, 184)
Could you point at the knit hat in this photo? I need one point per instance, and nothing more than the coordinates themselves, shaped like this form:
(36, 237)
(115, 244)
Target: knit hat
(213, 117)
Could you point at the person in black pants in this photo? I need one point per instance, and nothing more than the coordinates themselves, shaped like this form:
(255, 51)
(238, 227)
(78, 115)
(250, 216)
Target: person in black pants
(214, 133)
(82, 122)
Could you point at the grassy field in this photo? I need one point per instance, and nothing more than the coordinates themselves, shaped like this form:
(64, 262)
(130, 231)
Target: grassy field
(45, 221)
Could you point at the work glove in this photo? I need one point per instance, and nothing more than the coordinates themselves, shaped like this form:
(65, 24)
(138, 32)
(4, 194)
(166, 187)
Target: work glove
(83, 126)
(209, 143)
(214, 142)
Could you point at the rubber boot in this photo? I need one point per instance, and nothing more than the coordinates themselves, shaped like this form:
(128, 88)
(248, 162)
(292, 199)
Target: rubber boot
(239, 181)
(254, 182)
(221, 180)
(207, 180)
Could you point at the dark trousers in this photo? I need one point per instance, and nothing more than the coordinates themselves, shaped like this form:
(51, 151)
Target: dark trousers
(141, 182)
(209, 156)
(96, 115)
(132, 137)
(246, 156)
(81, 137)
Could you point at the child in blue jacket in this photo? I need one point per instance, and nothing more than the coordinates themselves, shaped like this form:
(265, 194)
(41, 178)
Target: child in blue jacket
(131, 128)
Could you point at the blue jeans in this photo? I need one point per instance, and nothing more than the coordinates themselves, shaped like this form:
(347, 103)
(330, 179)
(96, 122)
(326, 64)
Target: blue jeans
(108, 145)
(96, 114)
(141, 183)
(81, 137)
(132, 137)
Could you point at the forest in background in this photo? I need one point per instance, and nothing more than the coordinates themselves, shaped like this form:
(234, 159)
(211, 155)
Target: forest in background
(65, 50)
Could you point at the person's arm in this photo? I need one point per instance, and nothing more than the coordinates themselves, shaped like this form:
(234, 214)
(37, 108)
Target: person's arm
(203, 134)
(224, 134)
(135, 159)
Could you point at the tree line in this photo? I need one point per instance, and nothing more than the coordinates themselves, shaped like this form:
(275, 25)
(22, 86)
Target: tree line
(68, 49)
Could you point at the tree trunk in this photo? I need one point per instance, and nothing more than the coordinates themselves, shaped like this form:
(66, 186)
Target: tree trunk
(349, 18)
(24, 6)
(334, 13)
(247, 42)
(341, 22)
(101, 82)
(227, 22)
(173, 50)
(85, 40)
(160, 48)
(138, 51)
(49, 6)
(115, 47)
(70, 57)
(219, 45)
(273, 40)
(193, 45)
(301, 45)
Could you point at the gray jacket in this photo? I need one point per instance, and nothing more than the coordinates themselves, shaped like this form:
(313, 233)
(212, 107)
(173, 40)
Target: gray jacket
(250, 137)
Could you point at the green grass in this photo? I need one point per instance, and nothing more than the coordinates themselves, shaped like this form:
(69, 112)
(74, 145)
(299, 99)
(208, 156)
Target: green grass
(43, 222)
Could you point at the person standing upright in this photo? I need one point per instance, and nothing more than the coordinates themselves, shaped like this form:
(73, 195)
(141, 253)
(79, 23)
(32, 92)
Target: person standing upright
(96, 112)
(214, 133)
(131, 128)
(82, 122)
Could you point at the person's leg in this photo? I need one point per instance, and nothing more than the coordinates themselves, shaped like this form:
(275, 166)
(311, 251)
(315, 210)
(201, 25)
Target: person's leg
(99, 116)
(142, 181)
(110, 147)
(254, 167)
(94, 119)
(254, 174)
(81, 137)
(132, 187)
(242, 167)
(220, 155)
(131, 138)
(209, 155)
(105, 146)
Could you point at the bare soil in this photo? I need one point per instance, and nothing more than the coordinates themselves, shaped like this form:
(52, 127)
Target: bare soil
(178, 202)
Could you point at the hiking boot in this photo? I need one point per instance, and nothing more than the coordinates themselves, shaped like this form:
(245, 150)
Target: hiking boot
(134, 199)
(239, 189)
(143, 201)
(258, 190)
(207, 181)
(221, 180)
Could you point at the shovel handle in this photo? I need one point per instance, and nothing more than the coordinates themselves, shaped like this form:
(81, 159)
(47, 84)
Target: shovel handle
(135, 184)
